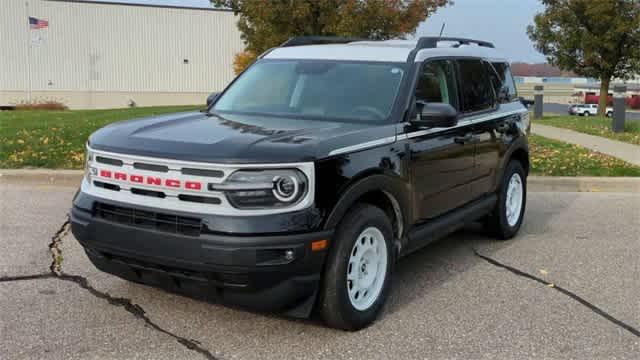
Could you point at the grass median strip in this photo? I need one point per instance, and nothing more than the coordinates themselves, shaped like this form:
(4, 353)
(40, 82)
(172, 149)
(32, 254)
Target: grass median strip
(55, 139)
(557, 158)
(595, 126)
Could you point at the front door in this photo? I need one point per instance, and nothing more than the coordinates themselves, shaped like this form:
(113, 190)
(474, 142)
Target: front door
(441, 159)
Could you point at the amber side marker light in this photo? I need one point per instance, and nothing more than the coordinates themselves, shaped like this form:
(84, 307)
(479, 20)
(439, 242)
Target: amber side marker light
(319, 245)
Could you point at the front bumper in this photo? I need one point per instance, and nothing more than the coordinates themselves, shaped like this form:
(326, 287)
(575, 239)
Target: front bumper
(247, 270)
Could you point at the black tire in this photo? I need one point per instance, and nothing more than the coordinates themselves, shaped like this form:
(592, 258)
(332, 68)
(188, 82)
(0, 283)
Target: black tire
(586, 114)
(335, 305)
(496, 223)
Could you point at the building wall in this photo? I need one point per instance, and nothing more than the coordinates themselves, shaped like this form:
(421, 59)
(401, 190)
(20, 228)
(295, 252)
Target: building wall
(566, 90)
(555, 93)
(104, 55)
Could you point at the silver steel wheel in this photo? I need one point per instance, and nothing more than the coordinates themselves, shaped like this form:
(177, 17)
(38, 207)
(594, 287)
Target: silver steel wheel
(367, 268)
(515, 195)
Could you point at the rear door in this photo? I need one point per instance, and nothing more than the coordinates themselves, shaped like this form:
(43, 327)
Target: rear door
(479, 103)
(493, 128)
(441, 159)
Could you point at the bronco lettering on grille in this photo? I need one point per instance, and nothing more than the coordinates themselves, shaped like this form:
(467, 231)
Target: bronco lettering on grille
(151, 180)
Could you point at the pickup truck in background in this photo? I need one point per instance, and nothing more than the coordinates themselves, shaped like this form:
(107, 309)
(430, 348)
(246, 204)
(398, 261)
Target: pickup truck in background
(583, 109)
(587, 110)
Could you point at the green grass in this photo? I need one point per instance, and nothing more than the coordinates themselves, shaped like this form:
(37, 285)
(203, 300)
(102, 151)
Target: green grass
(55, 139)
(595, 126)
(557, 158)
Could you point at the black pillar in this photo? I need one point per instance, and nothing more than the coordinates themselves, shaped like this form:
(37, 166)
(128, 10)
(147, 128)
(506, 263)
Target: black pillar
(619, 108)
(538, 99)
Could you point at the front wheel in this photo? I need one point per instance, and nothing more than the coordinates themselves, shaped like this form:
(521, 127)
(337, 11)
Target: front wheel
(506, 218)
(357, 274)
(586, 114)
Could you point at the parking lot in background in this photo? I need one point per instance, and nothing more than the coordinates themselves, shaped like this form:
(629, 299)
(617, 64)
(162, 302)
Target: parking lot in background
(553, 108)
(447, 300)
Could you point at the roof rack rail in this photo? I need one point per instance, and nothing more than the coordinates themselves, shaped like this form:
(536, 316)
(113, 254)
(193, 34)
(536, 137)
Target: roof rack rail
(319, 40)
(430, 42)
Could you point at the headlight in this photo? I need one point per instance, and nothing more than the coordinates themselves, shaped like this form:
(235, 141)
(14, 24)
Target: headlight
(89, 171)
(260, 189)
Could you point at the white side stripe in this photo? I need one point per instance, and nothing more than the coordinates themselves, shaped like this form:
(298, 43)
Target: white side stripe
(391, 139)
(465, 122)
(364, 145)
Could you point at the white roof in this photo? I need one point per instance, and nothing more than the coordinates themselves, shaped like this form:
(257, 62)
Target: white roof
(383, 51)
(350, 51)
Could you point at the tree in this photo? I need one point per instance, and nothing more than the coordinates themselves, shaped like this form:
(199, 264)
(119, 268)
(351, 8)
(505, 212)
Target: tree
(268, 23)
(593, 38)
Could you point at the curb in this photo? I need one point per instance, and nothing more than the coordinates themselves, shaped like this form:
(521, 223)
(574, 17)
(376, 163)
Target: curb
(583, 184)
(535, 183)
(41, 177)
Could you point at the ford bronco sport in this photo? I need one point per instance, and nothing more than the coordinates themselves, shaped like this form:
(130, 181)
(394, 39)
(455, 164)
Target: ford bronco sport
(310, 175)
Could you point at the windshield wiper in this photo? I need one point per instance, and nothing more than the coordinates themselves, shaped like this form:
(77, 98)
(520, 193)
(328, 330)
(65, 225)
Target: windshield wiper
(211, 113)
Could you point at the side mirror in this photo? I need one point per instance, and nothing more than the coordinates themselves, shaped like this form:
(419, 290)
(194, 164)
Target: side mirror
(211, 98)
(437, 115)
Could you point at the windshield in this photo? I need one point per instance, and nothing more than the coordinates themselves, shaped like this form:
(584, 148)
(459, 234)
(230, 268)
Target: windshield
(315, 89)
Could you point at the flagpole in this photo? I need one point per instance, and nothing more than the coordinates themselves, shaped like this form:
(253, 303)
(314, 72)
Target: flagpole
(28, 51)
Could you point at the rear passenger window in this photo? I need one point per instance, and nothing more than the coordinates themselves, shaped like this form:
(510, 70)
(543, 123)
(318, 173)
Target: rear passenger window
(437, 84)
(506, 88)
(476, 86)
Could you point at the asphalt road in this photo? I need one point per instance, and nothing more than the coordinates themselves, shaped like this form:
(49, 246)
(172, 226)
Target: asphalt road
(447, 302)
(562, 109)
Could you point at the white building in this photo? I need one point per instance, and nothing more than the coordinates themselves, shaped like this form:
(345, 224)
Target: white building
(108, 55)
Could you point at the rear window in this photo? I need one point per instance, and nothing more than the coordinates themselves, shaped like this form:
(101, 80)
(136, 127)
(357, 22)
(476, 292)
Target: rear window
(506, 87)
(476, 86)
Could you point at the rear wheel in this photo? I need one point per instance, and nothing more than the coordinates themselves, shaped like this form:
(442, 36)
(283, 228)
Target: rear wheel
(506, 218)
(357, 274)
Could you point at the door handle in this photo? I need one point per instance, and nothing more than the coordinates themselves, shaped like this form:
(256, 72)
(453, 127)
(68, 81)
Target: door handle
(463, 139)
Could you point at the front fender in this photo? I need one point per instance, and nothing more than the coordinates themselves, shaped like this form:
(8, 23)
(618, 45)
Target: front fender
(392, 186)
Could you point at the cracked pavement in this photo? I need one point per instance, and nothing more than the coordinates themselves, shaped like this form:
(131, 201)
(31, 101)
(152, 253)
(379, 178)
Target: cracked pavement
(567, 287)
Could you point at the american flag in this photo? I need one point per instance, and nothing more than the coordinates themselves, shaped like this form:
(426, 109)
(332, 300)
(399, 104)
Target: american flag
(37, 23)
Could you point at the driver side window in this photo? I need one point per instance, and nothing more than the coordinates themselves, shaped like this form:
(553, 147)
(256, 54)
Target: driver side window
(437, 84)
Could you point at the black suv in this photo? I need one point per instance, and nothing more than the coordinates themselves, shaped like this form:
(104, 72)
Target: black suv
(310, 175)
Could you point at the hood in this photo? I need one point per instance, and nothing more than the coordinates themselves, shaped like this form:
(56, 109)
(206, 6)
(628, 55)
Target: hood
(197, 136)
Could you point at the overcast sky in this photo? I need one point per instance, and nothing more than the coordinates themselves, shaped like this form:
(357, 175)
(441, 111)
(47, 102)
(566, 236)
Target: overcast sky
(504, 22)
